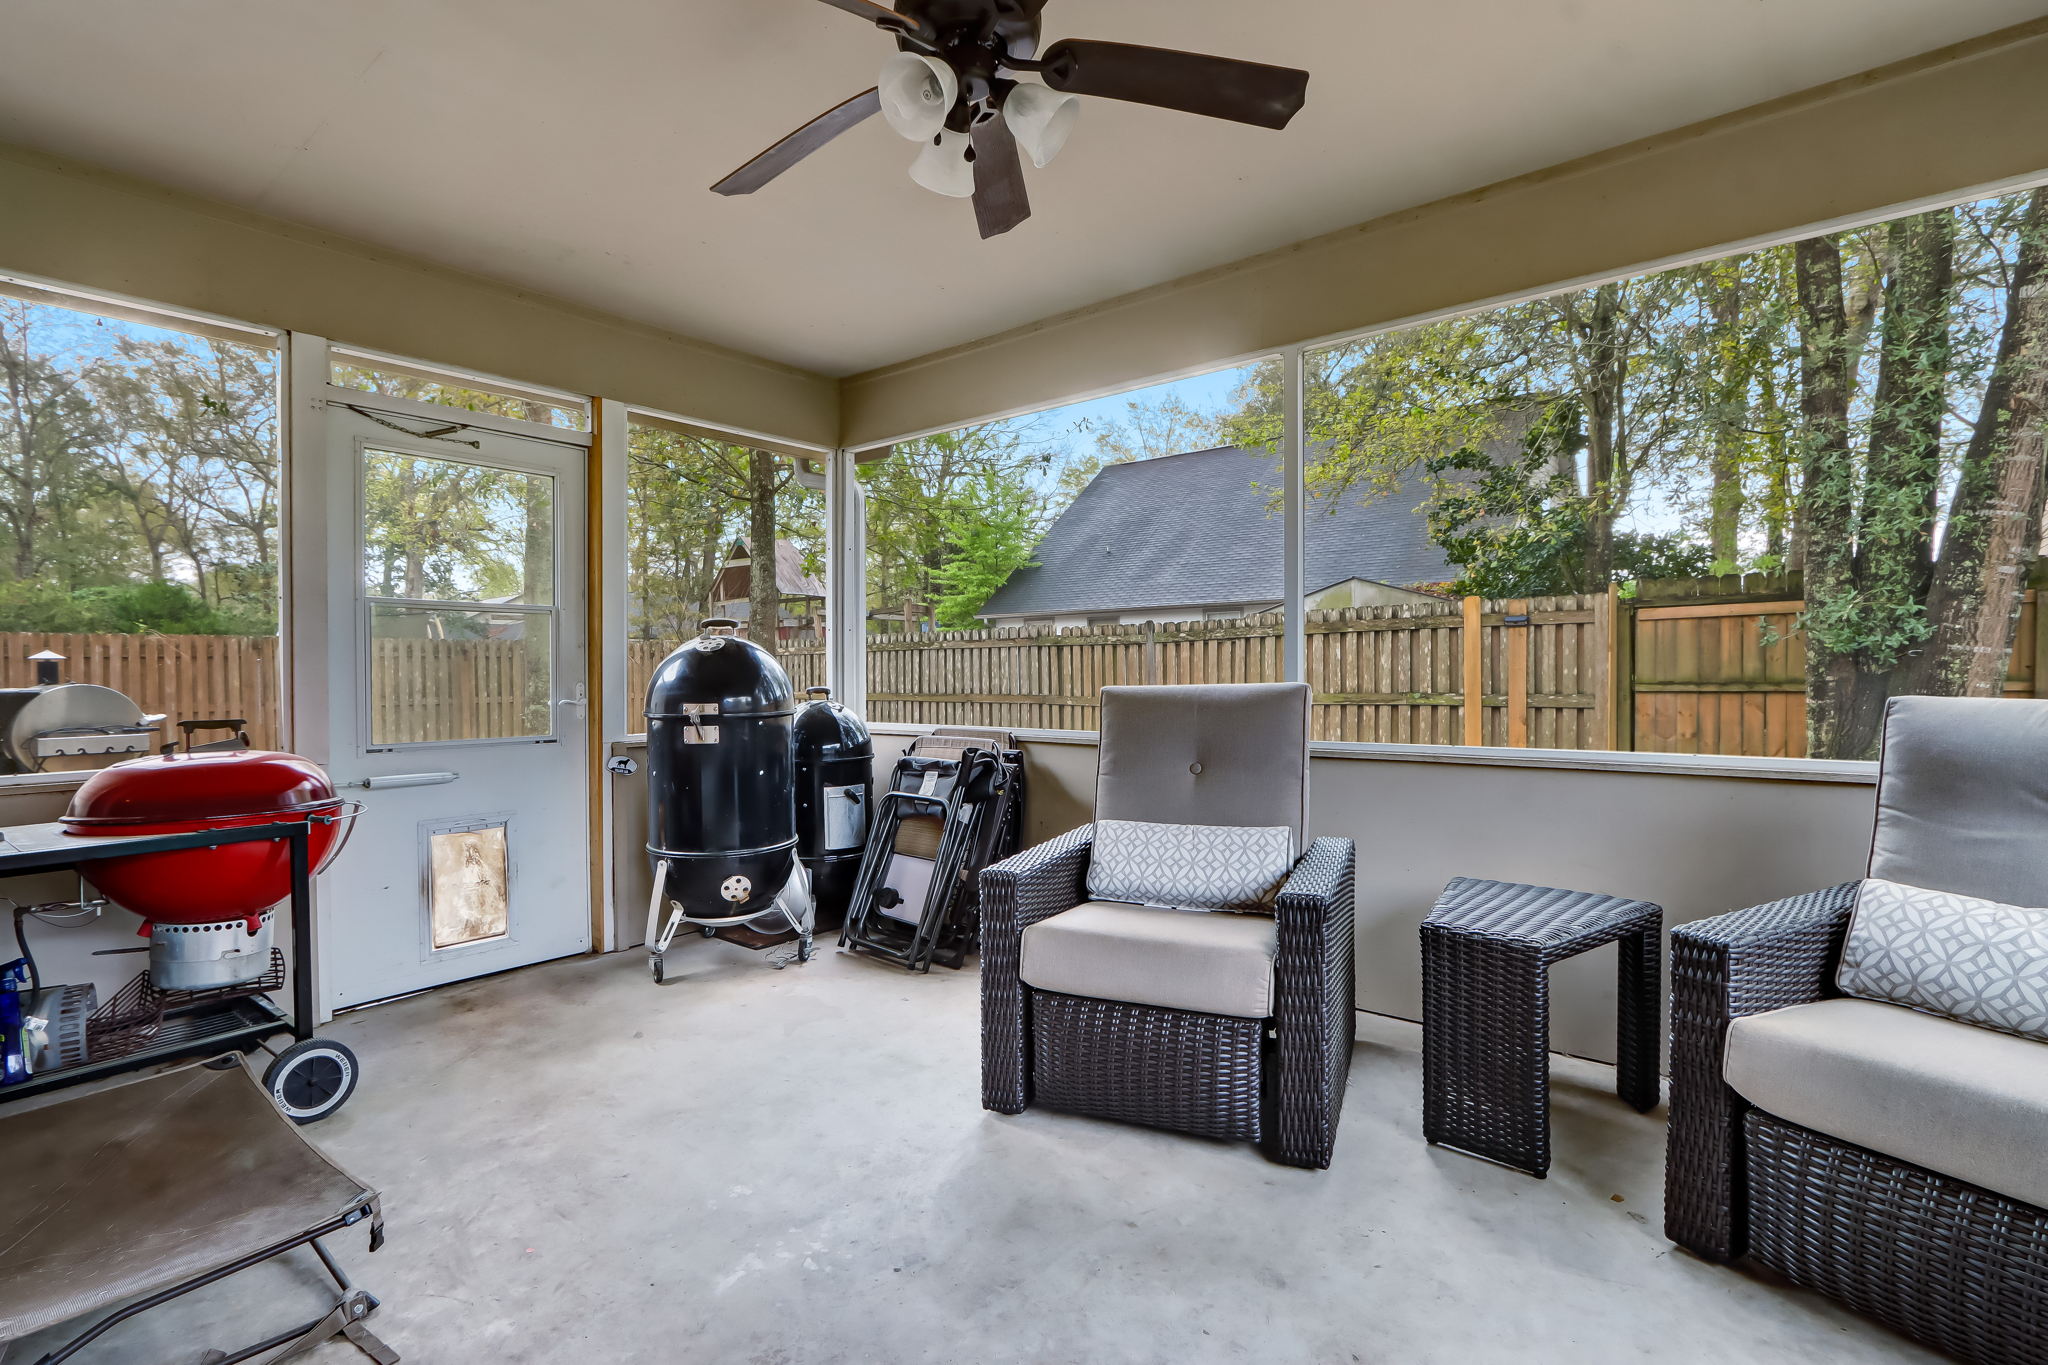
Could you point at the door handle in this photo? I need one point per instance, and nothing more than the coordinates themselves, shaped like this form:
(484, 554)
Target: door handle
(578, 701)
(403, 780)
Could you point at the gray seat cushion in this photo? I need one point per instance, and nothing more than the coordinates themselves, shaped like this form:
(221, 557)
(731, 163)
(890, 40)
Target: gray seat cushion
(1177, 959)
(1957, 1099)
(1214, 754)
(1962, 799)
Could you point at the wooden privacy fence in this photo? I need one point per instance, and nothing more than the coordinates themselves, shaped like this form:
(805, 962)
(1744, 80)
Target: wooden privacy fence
(427, 690)
(1696, 666)
(187, 677)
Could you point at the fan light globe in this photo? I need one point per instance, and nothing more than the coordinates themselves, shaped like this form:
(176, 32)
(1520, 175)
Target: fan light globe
(943, 168)
(1040, 120)
(917, 93)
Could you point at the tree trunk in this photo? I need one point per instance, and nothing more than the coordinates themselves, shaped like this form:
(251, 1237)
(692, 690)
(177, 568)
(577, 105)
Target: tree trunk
(1895, 523)
(1730, 403)
(1828, 500)
(764, 594)
(1994, 521)
(1605, 375)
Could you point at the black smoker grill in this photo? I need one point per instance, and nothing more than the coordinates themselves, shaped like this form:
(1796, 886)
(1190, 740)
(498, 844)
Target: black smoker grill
(835, 764)
(721, 819)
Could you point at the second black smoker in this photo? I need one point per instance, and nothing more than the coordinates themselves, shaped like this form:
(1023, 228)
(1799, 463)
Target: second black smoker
(721, 818)
(835, 765)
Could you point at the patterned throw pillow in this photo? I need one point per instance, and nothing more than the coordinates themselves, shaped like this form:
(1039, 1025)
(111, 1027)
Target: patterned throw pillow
(1194, 867)
(1969, 959)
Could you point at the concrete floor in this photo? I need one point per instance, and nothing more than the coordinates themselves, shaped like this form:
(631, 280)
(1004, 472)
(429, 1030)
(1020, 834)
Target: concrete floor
(751, 1165)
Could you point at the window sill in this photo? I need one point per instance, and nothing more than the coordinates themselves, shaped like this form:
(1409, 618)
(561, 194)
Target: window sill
(1569, 760)
(29, 784)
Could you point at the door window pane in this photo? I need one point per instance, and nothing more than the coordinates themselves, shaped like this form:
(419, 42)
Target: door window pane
(438, 674)
(448, 531)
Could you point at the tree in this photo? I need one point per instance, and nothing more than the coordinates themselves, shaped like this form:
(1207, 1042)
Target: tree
(986, 542)
(923, 487)
(1163, 424)
(1993, 530)
(1903, 596)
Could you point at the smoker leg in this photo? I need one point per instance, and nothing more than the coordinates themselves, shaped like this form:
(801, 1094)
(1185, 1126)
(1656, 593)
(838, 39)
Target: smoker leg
(657, 942)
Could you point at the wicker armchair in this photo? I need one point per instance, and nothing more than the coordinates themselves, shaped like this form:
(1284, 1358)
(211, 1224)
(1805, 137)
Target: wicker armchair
(1277, 1080)
(1963, 1268)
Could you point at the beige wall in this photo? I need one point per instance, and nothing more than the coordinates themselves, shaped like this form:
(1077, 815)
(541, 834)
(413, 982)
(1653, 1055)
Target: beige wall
(1697, 845)
(80, 225)
(1957, 119)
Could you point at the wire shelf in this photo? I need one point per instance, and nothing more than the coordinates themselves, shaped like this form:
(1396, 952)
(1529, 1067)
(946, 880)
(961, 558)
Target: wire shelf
(134, 1016)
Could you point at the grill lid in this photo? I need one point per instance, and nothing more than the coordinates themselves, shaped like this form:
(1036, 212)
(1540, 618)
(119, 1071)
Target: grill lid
(202, 786)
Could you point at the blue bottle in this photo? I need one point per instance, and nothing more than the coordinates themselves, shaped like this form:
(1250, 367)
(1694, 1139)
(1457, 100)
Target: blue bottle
(13, 1034)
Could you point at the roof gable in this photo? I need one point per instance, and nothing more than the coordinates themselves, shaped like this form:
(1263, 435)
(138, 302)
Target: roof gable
(1204, 528)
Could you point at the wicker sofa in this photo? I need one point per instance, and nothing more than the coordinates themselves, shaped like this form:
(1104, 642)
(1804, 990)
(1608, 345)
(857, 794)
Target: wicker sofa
(1228, 1026)
(1884, 1156)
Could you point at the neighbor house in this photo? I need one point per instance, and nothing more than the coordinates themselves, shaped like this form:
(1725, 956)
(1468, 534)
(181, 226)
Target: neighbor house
(1196, 537)
(803, 596)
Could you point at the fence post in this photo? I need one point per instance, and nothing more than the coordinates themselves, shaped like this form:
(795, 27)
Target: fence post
(1472, 646)
(2032, 602)
(1514, 643)
(1619, 687)
(1152, 653)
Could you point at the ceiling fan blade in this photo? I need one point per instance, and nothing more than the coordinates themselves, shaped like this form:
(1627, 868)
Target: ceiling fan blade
(800, 144)
(1221, 87)
(999, 199)
(872, 12)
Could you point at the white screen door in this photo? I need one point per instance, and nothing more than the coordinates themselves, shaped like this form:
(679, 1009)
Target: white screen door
(455, 685)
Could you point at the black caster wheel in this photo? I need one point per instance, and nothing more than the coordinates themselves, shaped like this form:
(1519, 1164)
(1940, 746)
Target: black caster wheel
(803, 950)
(654, 968)
(311, 1080)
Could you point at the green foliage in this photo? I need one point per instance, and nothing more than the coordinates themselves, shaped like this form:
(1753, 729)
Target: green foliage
(928, 494)
(986, 542)
(121, 609)
(134, 459)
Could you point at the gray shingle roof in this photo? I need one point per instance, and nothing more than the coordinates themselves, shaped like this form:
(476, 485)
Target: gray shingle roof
(1202, 529)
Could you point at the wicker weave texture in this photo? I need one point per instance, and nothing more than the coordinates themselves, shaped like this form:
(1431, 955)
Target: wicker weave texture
(1194, 1073)
(1017, 893)
(1486, 951)
(1958, 1267)
(1747, 962)
(1314, 993)
(1133, 1062)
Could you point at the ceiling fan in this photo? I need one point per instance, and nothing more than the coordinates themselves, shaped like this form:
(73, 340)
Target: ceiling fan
(953, 86)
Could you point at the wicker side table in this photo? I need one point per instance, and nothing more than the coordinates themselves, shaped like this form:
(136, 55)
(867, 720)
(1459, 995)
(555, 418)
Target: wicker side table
(1486, 952)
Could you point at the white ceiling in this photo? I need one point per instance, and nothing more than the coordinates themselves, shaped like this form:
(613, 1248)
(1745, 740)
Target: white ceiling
(567, 147)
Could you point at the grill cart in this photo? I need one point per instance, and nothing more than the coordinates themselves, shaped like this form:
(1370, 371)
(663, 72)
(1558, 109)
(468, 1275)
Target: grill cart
(144, 1024)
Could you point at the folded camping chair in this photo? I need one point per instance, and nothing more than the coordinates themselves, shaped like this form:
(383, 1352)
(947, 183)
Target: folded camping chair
(931, 833)
(999, 832)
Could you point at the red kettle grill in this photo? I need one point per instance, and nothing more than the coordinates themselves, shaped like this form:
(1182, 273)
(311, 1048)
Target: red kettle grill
(217, 898)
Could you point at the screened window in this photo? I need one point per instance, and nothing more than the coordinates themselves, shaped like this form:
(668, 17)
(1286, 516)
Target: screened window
(139, 509)
(697, 509)
(1728, 508)
(367, 372)
(1016, 568)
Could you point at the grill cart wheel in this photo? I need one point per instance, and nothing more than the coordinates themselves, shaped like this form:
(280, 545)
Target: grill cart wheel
(654, 966)
(311, 1080)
